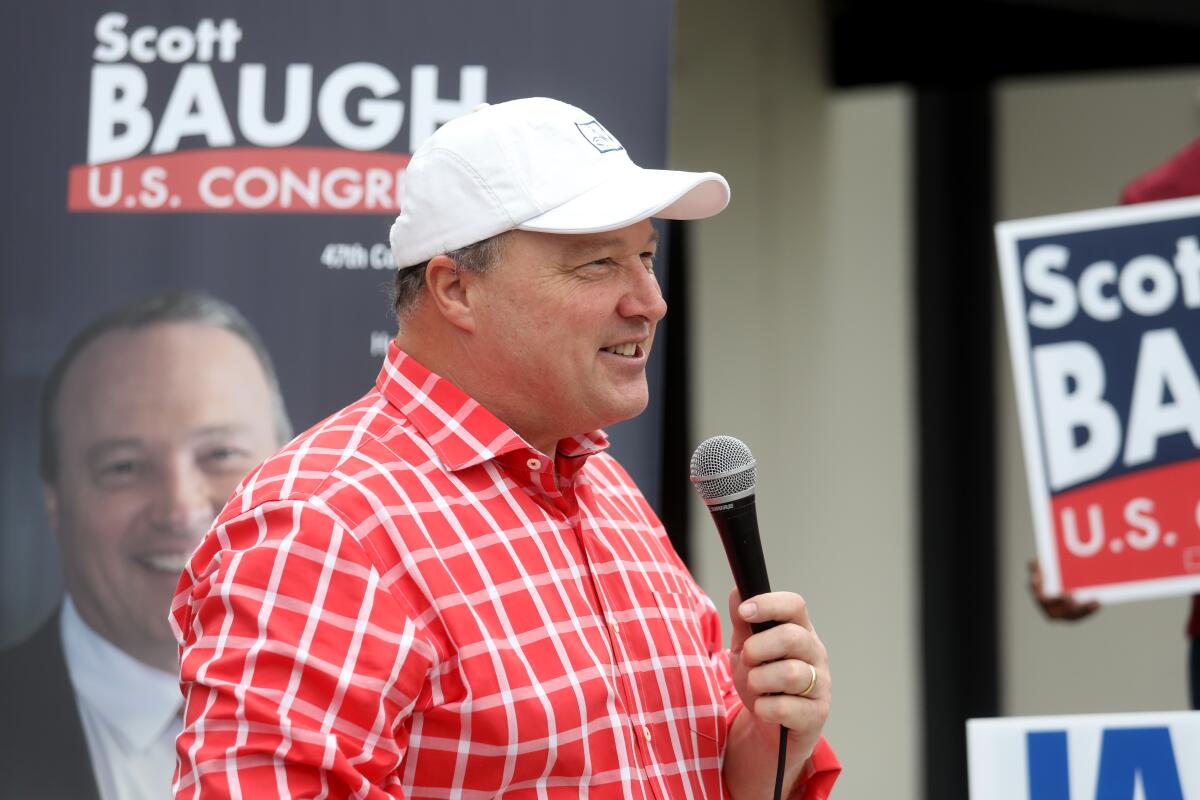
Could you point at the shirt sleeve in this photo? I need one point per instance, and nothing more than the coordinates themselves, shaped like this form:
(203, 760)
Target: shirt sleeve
(299, 667)
(820, 773)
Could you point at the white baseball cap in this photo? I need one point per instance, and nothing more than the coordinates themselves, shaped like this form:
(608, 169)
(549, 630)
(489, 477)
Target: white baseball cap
(538, 165)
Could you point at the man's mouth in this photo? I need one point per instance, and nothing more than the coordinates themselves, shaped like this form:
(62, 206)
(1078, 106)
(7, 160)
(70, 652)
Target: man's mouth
(165, 562)
(629, 350)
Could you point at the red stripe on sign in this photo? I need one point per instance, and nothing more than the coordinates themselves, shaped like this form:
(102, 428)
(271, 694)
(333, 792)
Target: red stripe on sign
(1138, 527)
(289, 180)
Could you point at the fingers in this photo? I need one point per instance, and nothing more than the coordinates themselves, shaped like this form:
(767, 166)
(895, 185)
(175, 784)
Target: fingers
(741, 628)
(1066, 608)
(782, 672)
(797, 714)
(1063, 607)
(776, 607)
(1035, 574)
(781, 607)
(785, 677)
(785, 641)
(791, 692)
(792, 637)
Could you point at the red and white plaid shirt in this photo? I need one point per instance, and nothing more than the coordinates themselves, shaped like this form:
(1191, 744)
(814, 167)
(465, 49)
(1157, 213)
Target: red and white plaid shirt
(407, 602)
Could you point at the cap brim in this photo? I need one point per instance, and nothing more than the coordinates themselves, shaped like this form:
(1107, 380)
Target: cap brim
(634, 195)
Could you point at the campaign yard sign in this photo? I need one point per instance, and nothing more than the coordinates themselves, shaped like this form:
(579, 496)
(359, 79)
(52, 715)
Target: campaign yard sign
(1147, 756)
(1103, 314)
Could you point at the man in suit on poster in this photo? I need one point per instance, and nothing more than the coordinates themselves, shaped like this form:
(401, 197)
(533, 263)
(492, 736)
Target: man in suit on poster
(150, 417)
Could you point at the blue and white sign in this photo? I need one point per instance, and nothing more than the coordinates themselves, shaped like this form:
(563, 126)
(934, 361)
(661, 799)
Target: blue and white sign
(1153, 756)
(1103, 313)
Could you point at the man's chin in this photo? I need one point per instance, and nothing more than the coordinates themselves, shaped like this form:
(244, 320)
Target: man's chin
(626, 409)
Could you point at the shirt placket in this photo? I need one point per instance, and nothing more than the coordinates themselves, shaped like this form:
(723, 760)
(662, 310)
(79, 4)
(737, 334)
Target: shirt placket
(560, 488)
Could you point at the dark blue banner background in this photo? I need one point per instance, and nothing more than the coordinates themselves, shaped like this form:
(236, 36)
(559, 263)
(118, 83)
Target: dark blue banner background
(61, 269)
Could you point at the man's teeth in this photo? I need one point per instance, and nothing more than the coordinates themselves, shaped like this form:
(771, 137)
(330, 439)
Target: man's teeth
(623, 349)
(173, 562)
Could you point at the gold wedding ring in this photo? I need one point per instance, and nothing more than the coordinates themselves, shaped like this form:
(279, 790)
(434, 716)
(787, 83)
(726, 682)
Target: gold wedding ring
(812, 683)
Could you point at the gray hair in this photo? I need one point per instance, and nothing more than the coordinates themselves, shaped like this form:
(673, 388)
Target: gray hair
(174, 306)
(478, 257)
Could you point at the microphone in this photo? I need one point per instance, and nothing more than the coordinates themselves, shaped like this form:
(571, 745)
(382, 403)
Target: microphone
(723, 472)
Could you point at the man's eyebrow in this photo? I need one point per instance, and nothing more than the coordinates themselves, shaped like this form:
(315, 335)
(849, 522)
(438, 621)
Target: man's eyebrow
(220, 430)
(103, 448)
(575, 248)
(106, 446)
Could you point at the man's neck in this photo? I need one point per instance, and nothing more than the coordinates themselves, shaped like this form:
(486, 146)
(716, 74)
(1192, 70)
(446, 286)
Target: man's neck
(162, 656)
(437, 354)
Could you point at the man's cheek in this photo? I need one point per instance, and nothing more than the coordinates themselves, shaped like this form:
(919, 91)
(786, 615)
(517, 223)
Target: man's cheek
(108, 518)
(220, 490)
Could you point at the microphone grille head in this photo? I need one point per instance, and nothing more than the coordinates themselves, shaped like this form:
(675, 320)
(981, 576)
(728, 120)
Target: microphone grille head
(723, 469)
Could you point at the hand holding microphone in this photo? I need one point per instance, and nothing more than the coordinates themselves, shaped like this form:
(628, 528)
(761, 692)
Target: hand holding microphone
(780, 667)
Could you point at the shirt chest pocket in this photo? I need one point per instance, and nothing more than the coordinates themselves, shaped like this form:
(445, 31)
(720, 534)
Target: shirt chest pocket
(676, 680)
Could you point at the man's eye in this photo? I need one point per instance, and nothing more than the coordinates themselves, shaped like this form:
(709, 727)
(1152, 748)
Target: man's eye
(221, 455)
(593, 269)
(123, 472)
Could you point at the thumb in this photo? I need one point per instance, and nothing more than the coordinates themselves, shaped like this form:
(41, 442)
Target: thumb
(740, 628)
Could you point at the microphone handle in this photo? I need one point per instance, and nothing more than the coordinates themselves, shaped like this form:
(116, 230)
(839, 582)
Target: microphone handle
(737, 523)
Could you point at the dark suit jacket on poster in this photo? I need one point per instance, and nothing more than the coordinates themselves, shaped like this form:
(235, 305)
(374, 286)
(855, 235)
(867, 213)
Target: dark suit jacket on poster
(43, 749)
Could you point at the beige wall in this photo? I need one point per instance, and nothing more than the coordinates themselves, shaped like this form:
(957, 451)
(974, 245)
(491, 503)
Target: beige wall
(1067, 144)
(803, 347)
(801, 332)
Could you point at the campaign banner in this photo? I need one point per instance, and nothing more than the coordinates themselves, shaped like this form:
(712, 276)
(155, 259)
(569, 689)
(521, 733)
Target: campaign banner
(1103, 317)
(254, 153)
(1144, 756)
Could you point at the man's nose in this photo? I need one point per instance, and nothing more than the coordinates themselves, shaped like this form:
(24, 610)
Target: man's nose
(184, 501)
(644, 296)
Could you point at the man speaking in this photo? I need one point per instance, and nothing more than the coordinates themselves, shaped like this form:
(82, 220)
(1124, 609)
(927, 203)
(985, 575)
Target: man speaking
(448, 588)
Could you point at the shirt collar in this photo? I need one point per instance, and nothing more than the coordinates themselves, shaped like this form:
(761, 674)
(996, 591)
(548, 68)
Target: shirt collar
(461, 432)
(136, 700)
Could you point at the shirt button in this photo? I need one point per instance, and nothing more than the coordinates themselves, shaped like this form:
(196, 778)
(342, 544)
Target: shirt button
(533, 463)
(646, 733)
(612, 619)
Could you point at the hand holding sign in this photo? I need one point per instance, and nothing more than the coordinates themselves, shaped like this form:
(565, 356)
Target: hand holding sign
(1060, 607)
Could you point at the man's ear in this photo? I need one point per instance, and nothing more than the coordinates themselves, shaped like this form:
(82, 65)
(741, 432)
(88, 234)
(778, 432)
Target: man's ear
(50, 498)
(448, 290)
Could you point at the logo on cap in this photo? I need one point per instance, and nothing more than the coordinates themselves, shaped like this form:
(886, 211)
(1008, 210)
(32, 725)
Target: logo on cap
(598, 137)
